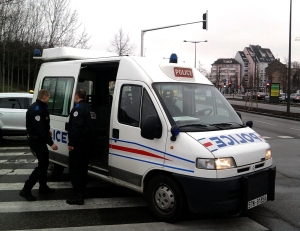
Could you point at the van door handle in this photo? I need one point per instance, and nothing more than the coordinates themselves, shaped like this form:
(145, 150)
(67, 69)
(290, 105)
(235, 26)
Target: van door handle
(115, 133)
(67, 126)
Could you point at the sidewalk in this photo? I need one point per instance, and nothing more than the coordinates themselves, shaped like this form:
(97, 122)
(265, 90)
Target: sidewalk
(265, 108)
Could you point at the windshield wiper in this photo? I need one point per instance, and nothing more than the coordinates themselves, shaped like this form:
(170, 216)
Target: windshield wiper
(223, 125)
(193, 125)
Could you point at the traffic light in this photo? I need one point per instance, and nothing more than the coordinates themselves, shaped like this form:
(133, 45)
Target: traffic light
(204, 22)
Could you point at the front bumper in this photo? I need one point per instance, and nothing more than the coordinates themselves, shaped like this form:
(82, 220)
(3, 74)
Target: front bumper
(228, 194)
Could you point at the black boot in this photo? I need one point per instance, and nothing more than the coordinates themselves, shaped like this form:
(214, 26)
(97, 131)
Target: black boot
(46, 189)
(27, 195)
(78, 199)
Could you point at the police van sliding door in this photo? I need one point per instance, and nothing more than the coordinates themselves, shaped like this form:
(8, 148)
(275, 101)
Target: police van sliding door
(131, 155)
(61, 83)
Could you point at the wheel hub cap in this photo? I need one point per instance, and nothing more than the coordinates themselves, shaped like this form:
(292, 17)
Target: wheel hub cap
(164, 198)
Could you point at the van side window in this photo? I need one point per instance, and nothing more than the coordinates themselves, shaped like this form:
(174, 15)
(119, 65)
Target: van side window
(129, 105)
(61, 89)
(149, 109)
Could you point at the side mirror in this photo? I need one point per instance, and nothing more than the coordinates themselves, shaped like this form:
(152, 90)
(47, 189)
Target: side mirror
(150, 128)
(174, 132)
(249, 124)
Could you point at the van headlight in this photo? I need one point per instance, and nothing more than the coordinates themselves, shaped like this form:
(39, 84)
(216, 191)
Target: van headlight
(216, 164)
(268, 154)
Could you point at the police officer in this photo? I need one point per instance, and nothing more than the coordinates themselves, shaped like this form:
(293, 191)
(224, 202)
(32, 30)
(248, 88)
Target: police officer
(81, 136)
(39, 135)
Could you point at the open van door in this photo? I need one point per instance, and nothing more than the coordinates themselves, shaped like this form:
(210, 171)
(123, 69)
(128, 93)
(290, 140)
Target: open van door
(62, 86)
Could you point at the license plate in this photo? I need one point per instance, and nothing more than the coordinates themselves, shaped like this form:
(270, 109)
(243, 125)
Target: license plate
(257, 201)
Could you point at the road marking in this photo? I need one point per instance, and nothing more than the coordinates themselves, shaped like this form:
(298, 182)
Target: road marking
(266, 137)
(11, 172)
(55, 185)
(295, 129)
(21, 148)
(265, 122)
(240, 223)
(58, 205)
(286, 137)
(19, 161)
(16, 154)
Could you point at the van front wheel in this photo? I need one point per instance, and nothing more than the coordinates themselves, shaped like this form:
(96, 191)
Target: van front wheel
(55, 171)
(164, 198)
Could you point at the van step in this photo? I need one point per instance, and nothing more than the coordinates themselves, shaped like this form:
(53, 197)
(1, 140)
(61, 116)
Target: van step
(102, 171)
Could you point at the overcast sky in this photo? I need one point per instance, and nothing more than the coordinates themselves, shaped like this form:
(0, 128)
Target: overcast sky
(232, 25)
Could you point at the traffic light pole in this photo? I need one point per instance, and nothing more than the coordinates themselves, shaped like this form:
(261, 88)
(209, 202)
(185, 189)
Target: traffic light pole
(165, 27)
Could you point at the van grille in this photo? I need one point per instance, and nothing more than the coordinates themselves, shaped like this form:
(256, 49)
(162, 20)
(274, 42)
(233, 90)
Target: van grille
(245, 169)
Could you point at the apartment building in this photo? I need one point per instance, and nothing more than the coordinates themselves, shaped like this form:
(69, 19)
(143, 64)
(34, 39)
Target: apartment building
(226, 73)
(254, 61)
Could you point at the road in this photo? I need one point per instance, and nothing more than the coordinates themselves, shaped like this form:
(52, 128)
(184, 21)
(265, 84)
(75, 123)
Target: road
(111, 207)
(284, 138)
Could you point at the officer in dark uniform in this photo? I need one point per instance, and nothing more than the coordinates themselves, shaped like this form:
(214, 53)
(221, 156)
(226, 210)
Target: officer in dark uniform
(39, 135)
(81, 134)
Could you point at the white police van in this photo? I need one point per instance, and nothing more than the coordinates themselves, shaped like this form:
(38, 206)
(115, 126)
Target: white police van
(163, 130)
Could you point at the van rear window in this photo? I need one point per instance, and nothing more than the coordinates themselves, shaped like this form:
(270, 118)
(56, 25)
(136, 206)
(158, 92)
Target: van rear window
(61, 89)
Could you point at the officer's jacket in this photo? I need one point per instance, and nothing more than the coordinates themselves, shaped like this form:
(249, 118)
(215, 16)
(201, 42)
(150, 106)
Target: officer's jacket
(81, 124)
(38, 122)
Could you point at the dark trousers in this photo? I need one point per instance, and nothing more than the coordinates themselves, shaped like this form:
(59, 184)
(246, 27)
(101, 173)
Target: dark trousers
(40, 172)
(78, 166)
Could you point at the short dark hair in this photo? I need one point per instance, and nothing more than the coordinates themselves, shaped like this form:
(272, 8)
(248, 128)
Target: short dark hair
(42, 93)
(81, 93)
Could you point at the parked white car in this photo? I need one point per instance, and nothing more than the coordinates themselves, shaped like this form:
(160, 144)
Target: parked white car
(295, 97)
(282, 97)
(13, 108)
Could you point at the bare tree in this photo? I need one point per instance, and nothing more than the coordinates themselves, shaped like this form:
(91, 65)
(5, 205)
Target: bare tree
(121, 45)
(61, 25)
(201, 69)
(29, 24)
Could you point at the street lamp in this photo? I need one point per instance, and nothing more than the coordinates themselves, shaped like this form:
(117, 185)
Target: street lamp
(195, 42)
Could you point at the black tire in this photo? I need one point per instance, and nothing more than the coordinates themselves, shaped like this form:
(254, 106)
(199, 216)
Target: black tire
(165, 199)
(55, 171)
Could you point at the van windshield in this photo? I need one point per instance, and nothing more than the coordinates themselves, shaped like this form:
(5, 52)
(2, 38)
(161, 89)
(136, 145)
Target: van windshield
(196, 107)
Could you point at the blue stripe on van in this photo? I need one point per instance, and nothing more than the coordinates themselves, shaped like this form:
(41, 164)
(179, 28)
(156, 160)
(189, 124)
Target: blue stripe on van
(149, 162)
(165, 153)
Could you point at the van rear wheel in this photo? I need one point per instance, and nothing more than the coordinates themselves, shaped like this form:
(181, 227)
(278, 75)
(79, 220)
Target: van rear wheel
(55, 171)
(164, 198)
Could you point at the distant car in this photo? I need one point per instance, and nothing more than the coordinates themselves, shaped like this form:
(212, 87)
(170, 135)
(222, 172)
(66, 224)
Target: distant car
(13, 108)
(260, 95)
(295, 97)
(267, 97)
(247, 95)
(282, 97)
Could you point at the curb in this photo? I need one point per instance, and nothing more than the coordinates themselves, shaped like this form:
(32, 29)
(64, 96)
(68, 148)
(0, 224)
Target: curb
(267, 113)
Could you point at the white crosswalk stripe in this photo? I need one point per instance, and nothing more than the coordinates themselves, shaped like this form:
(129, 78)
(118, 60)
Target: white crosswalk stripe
(16, 154)
(242, 223)
(14, 148)
(18, 161)
(15, 171)
(55, 185)
(57, 205)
